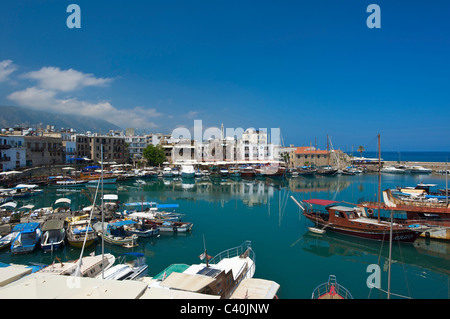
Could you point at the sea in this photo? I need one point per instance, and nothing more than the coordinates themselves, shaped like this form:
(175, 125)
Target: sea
(410, 156)
(227, 212)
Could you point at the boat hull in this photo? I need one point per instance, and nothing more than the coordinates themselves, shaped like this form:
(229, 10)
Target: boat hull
(400, 235)
(79, 244)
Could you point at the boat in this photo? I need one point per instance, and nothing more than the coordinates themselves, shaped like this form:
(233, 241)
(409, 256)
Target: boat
(140, 229)
(22, 191)
(169, 226)
(150, 210)
(54, 235)
(393, 170)
(115, 233)
(271, 171)
(126, 270)
(111, 202)
(306, 170)
(27, 239)
(326, 170)
(79, 231)
(316, 230)
(417, 169)
(70, 183)
(6, 240)
(167, 172)
(417, 209)
(291, 172)
(108, 180)
(219, 276)
(234, 172)
(224, 172)
(175, 172)
(187, 171)
(247, 171)
(354, 221)
(88, 266)
(331, 290)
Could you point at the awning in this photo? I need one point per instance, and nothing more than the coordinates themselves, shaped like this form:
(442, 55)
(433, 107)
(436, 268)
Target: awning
(321, 202)
(123, 223)
(167, 206)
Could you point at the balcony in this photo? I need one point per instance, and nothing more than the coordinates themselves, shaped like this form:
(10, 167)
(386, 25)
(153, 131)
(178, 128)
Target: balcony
(5, 146)
(5, 159)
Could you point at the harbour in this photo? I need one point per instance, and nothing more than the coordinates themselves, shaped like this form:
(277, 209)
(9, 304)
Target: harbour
(227, 211)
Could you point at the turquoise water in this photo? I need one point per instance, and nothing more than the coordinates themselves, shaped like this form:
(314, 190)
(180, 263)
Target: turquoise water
(228, 212)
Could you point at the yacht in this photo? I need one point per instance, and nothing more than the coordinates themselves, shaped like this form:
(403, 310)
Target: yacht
(187, 171)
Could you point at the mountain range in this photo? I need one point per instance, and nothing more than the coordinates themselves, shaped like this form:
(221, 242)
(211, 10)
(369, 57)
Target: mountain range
(13, 116)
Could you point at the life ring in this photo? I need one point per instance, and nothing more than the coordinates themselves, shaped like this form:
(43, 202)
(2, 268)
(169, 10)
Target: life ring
(370, 212)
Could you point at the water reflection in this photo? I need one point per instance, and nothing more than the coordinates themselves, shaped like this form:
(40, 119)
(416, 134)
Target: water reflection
(427, 255)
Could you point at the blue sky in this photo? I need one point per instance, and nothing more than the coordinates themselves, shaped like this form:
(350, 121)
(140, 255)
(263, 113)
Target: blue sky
(311, 68)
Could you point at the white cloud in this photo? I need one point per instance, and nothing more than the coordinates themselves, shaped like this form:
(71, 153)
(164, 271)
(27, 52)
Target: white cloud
(46, 100)
(6, 68)
(53, 78)
(51, 94)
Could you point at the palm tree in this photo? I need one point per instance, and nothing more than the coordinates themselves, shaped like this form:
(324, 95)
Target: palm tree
(361, 149)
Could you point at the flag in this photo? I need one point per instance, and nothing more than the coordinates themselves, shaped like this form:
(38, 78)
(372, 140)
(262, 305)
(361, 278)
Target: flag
(202, 256)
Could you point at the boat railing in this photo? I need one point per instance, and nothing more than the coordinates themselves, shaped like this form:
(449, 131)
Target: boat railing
(325, 288)
(244, 249)
(234, 252)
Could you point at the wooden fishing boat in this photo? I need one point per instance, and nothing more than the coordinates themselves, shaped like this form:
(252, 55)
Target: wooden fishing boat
(331, 290)
(433, 214)
(169, 226)
(77, 230)
(116, 234)
(354, 221)
(247, 171)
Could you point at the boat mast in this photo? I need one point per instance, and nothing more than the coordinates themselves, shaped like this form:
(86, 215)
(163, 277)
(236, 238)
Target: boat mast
(206, 255)
(446, 184)
(379, 177)
(390, 256)
(103, 223)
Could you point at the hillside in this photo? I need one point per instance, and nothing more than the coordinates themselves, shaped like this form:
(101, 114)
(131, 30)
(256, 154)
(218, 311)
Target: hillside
(11, 116)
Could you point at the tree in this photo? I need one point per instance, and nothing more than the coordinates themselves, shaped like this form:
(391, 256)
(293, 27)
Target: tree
(361, 150)
(154, 155)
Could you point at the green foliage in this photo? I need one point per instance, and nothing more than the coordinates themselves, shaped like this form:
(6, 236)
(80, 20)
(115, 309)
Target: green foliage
(154, 155)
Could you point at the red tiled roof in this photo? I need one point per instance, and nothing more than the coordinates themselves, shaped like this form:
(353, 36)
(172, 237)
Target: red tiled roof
(309, 150)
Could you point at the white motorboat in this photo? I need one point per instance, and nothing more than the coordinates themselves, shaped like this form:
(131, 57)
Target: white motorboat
(187, 171)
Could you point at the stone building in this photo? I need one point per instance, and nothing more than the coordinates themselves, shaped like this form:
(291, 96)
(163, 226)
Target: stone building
(44, 150)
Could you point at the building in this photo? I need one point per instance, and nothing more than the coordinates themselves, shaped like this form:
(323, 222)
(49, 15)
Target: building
(44, 150)
(136, 145)
(309, 155)
(250, 148)
(114, 148)
(12, 152)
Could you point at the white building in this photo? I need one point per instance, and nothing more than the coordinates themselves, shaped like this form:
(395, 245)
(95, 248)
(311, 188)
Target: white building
(12, 152)
(251, 148)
